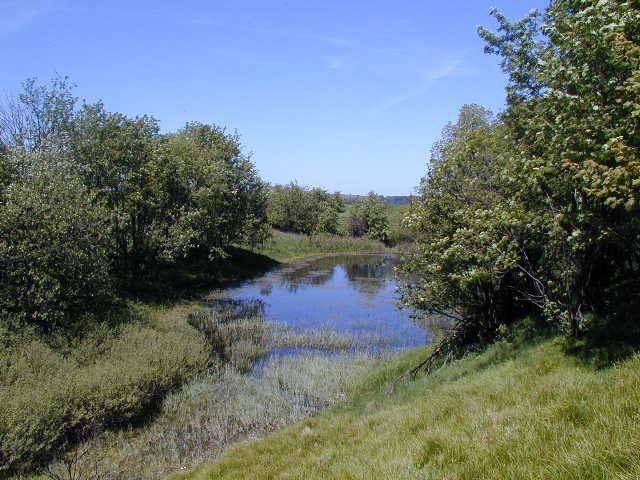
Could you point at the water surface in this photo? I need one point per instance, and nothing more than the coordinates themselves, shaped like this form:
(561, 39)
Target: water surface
(350, 294)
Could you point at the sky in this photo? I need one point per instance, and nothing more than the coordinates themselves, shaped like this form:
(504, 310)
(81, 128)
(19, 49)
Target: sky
(344, 95)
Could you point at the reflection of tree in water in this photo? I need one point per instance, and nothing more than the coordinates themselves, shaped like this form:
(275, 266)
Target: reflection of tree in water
(365, 272)
(436, 326)
(368, 274)
(309, 274)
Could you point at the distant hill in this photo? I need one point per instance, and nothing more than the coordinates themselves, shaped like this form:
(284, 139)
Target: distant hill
(390, 199)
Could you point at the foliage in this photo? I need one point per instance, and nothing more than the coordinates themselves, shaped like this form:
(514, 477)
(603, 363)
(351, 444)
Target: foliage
(470, 117)
(536, 213)
(211, 193)
(40, 117)
(53, 247)
(90, 198)
(116, 156)
(369, 218)
(293, 208)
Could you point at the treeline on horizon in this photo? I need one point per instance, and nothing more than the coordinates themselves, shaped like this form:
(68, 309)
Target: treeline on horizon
(308, 211)
(535, 213)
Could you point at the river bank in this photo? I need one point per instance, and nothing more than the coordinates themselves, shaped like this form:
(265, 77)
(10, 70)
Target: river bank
(112, 379)
(523, 408)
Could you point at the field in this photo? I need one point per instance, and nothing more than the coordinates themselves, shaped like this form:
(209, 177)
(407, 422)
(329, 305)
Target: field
(284, 246)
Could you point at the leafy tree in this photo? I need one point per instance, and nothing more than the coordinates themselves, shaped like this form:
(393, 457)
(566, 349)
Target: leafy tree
(152, 198)
(537, 213)
(573, 117)
(211, 193)
(463, 264)
(117, 158)
(41, 116)
(302, 210)
(5, 168)
(53, 247)
(369, 217)
(470, 117)
(329, 207)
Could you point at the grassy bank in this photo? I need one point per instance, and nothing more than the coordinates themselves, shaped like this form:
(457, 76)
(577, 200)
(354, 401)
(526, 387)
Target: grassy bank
(58, 390)
(515, 411)
(62, 388)
(283, 246)
(223, 404)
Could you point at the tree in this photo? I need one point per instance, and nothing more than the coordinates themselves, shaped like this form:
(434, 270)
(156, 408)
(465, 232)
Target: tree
(117, 158)
(573, 118)
(470, 117)
(211, 193)
(298, 209)
(369, 217)
(53, 247)
(41, 116)
(537, 213)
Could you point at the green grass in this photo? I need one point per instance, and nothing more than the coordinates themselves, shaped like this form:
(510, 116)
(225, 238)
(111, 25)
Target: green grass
(512, 412)
(283, 246)
(54, 391)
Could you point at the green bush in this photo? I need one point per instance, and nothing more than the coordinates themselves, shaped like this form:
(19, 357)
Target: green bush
(369, 217)
(293, 208)
(53, 246)
(51, 399)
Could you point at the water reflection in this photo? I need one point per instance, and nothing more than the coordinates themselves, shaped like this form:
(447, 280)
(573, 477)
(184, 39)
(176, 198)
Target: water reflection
(354, 294)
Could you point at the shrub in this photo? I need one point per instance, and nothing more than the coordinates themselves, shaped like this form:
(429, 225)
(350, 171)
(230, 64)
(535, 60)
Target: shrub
(369, 218)
(53, 246)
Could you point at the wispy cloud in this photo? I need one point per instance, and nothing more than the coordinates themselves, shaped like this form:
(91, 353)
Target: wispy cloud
(446, 68)
(339, 62)
(443, 69)
(16, 15)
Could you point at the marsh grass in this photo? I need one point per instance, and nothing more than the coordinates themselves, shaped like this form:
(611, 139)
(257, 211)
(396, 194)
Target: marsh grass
(215, 410)
(515, 411)
(227, 404)
(238, 333)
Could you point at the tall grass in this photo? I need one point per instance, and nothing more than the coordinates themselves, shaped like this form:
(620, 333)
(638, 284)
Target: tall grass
(52, 397)
(225, 404)
(512, 412)
(283, 246)
(215, 410)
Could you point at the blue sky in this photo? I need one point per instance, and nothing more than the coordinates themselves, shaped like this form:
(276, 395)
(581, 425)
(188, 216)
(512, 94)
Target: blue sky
(346, 95)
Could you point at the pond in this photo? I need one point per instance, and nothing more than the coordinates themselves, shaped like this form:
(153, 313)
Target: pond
(354, 295)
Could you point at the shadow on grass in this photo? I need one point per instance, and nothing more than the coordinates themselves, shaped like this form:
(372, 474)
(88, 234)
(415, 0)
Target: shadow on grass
(609, 339)
(192, 277)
